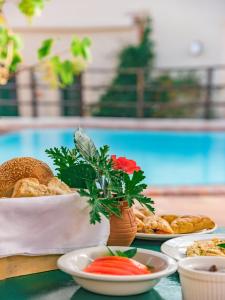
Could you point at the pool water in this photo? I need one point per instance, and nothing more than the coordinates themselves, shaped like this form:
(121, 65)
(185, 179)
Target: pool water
(168, 158)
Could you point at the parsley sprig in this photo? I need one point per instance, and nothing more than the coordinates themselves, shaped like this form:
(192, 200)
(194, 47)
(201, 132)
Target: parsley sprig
(90, 171)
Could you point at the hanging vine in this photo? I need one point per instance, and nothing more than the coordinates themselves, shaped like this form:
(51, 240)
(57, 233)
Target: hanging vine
(58, 72)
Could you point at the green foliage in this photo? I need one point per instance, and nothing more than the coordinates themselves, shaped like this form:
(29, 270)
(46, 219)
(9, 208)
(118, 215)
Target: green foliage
(10, 46)
(160, 90)
(91, 171)
(45, 48)
(56, 71)
(31, 8)
(221, 246)
(60, 72)
(81, 47)
(128, 253)
(133, 56)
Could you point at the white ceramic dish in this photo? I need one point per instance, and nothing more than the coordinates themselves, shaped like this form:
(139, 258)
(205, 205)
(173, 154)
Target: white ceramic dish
(165, 237)
(176, 248)
(202, 285)
(74, 262)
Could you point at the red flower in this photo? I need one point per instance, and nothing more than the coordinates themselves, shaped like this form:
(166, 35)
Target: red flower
(124, 164)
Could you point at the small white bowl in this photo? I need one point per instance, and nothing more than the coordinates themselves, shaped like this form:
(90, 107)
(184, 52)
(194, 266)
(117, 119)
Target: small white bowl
(202, 285)
(74, 262)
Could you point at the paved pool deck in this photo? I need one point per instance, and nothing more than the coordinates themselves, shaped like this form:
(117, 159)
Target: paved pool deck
(213, 206)
(17, 123)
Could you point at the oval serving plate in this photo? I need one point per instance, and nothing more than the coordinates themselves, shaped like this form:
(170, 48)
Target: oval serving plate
(165, 237)
(177, 247)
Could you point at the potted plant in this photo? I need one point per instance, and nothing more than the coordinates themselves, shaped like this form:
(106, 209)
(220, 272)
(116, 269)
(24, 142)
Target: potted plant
(111, 184)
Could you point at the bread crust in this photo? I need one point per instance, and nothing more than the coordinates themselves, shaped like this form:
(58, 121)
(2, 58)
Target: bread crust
(22, 167)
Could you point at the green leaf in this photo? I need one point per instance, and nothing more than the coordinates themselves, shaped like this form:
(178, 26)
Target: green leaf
(66, 72)
(110, 251)
(128, 253)
(221, 245)
(17, 59)
(79, 175)
(85, 145)
(31, 8)
(45, 48)
(76, 46)
(80, 47)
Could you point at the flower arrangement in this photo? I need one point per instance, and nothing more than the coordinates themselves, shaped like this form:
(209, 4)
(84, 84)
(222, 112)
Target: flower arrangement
(105, 180)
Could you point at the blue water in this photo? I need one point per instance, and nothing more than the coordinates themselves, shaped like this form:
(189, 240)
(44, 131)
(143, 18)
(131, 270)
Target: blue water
(168, 158)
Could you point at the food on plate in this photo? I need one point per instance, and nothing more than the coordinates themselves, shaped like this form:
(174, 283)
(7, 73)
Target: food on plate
(116, 265)
(22, 167)
(169, 218)
(189, 224)
(157, 224)
(31, 187)
(148, 222)
(140, 225)
(206, 248)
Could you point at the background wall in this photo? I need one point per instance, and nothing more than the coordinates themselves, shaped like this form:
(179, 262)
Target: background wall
(176, 24)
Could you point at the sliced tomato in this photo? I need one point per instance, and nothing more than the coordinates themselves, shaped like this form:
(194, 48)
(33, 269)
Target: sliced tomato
(116, 265)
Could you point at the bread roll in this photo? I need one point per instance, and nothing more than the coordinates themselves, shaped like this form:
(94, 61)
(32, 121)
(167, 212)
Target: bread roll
(29, 187)
(57, 187)
(19, 168)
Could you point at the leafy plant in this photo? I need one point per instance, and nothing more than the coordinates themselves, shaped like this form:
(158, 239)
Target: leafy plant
(160, 90)
(61, 73)
(128, 253)
(56, 71)
(10, 57)
(31, 8)
(98, 177)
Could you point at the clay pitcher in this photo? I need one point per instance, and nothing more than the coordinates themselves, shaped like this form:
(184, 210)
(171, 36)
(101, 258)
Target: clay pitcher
(122, 229)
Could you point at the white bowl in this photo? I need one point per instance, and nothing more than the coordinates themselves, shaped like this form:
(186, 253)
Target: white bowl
(202, 285)
(74, 262)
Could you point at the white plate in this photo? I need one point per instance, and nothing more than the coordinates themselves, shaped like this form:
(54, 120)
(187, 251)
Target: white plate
(165, 237)
(74, 262)
(176, 248)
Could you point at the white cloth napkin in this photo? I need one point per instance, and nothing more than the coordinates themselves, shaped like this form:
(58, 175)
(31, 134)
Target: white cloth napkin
(48, 225)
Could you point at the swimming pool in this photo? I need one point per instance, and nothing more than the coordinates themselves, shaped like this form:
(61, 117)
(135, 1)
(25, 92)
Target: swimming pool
(168, 158)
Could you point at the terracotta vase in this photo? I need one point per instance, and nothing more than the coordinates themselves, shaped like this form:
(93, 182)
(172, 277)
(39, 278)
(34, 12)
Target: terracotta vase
(122, 229)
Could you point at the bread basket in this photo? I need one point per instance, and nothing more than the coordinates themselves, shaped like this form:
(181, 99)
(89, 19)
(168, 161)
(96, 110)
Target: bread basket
(34, 231)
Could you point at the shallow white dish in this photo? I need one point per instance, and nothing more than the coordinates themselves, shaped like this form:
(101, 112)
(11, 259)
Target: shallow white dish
(74, 262)
(176, 248)
(199, 284)
(165, 237)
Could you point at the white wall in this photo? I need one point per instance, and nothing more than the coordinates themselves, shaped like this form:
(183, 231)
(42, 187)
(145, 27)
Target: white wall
(176, 24)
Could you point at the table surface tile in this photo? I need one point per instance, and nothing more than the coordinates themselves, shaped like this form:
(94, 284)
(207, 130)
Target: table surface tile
(56, 285)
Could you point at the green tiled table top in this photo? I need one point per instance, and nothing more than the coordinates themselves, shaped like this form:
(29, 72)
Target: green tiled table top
(56, 285)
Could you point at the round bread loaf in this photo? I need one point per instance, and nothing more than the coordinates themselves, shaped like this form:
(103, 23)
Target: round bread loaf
(22, 167)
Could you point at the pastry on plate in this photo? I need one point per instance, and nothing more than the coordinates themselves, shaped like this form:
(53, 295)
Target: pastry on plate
(140, 225)
(169, 218)
(189, 224)
(157, 224)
